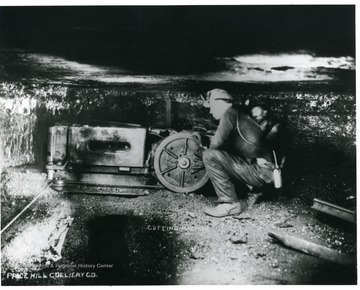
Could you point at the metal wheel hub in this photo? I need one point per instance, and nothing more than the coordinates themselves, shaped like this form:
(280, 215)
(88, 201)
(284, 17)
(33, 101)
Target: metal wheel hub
(184, 163)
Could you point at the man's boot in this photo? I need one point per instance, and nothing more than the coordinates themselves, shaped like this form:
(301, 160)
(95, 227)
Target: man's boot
(224, 209)
(253, 198)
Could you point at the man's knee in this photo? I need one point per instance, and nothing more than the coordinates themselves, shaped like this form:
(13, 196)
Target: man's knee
(211, 155)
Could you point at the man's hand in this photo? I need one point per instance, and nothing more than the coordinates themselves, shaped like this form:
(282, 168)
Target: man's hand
(203, 147)
(264, 163)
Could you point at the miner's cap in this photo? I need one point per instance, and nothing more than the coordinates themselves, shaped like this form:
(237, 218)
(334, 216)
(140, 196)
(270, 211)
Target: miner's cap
(216, 95)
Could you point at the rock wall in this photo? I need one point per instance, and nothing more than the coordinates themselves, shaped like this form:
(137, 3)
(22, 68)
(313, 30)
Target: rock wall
(314, 115)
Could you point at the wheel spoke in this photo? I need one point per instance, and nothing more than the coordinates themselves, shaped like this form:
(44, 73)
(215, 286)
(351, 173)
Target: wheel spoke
(182, 182)
(186, 146)
(199, 157)
(197, 166)
(170, 153)
(196, 170)
(168, 170)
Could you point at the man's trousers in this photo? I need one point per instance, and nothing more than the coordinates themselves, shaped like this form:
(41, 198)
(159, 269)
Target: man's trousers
(225, 170)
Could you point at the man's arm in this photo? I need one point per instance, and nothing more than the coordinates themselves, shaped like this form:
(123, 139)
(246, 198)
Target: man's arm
(224, 129)
(274, 130)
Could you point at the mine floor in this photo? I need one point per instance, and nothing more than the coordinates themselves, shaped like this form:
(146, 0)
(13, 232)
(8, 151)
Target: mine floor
(162, 238)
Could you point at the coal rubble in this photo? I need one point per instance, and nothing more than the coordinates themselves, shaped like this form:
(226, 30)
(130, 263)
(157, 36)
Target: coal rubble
(163, 237)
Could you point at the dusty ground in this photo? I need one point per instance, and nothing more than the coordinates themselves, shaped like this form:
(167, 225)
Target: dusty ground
(165, 238)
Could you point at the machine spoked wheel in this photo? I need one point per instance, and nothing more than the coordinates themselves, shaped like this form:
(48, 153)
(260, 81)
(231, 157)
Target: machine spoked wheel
(178, 163)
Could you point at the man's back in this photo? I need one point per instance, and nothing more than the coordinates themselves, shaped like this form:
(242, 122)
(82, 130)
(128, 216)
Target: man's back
(239, 134)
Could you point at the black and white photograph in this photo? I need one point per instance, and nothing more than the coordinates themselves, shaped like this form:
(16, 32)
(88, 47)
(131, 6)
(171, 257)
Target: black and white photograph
(179, 144)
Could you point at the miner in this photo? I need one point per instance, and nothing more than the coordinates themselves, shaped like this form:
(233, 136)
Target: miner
(238, 153)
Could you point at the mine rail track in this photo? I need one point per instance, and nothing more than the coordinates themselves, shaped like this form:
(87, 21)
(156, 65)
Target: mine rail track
(334, 210)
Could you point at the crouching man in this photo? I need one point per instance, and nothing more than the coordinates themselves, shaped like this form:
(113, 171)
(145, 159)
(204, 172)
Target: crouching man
(238, 153)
